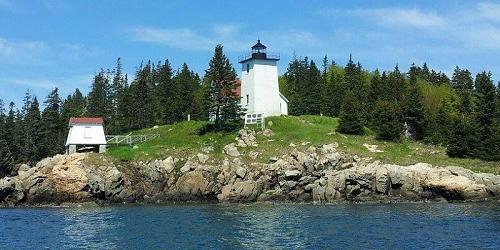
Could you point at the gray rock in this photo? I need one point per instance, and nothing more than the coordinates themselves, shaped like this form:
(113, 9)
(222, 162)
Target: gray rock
(292, 174)
(231, 150)
(241, 172)
(253, 155)
(267, 132)
(202, 158)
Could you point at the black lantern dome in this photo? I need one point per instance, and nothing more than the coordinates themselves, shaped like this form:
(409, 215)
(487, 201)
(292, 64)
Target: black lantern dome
(259, 48)
(259, 51)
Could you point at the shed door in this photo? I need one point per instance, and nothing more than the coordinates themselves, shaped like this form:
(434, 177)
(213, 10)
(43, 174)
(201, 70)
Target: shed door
(87, 133)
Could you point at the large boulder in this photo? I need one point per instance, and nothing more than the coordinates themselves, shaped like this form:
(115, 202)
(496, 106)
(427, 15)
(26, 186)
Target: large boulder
(231, 150)
(194, 184)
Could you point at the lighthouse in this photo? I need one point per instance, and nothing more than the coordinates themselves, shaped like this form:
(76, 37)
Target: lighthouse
(260, 92)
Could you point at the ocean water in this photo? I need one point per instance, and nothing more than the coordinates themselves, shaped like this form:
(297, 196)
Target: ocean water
(256, 226)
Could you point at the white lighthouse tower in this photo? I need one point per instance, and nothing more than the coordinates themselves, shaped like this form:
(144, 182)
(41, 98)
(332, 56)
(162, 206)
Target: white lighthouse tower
(259, 83)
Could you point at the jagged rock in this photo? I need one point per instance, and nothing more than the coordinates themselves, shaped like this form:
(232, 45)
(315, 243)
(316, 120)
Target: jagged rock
(273, 159)
(267, 132)
(324, 175)
(292, 174)
(207, 149)
(195, 184)
(202, 158)
(329, 148)
(246, 137)
(292, 145)
(241, 172)
(240, 191)
(231, 150)
(253, 155)
(305, 180)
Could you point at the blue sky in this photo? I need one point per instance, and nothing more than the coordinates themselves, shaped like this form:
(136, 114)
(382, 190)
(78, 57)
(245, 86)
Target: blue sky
(59, 43)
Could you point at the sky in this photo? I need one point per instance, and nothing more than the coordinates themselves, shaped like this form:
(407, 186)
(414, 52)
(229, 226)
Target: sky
(56, 43)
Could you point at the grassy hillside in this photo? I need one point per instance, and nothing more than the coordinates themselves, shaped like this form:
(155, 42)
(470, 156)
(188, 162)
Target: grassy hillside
(181, 140)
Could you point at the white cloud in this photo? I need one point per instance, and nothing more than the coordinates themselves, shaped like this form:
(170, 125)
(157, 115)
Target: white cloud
(67, 83)
(489, 11)
(393, 17)
(17, 51)
(179, 38)
(402, 17)
(7, 4)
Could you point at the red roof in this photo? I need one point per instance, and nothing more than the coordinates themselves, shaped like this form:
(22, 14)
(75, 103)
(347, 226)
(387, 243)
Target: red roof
(85, 120)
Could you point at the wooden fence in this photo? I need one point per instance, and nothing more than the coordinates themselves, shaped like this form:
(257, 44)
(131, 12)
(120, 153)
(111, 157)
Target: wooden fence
(129, 139)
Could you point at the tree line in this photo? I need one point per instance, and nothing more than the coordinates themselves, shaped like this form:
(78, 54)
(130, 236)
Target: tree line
(461, 113)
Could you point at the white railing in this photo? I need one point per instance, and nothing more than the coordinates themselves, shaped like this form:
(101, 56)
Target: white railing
(130, 139)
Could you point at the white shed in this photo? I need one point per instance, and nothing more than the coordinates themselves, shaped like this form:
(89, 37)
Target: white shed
(86, 133)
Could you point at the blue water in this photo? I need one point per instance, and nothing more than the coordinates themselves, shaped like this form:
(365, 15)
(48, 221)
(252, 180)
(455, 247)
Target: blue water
(261, 226)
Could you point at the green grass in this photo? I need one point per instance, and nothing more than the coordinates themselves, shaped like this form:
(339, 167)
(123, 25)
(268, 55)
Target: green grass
(181, 140)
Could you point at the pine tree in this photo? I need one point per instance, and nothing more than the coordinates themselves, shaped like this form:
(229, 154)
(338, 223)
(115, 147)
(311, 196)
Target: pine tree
(52, 126)
(165, 93)
(387, 121)
(98, 102)
(6, 158)
(413, 107)
(142, 100)
(463, 138)
(11, 133)
(334, 91)
(294, 78)
(484, 113)
(116, 92)
(312, 92)
(350, 117)
(32, 133)
(223, 102)
(186, 84)
(462, 82)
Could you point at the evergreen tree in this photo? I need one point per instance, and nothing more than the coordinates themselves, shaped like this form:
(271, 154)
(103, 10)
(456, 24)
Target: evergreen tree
(165, 93)
(387, 121)
(350, 117)
(12, 133)
(312, 92)
(52, 126)
(186, 84)
(484, 113)
(463, 138)
(295, 76)
(223, 102)
(32, 151)
(142, 100)
(334, 91)
(413, 107)
(116, 92)
(6, 158)
(98, 102)
(462, 82)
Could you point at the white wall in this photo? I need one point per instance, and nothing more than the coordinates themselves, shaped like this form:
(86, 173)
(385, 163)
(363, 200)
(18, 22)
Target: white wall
(90, 134)
(262, 87)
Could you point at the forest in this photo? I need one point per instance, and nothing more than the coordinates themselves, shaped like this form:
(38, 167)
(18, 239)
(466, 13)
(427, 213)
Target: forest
(460, 112)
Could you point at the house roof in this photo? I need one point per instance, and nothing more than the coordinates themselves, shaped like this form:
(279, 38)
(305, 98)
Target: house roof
(86, 120)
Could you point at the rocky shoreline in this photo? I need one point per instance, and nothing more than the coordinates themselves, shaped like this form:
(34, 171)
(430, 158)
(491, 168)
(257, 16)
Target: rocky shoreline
(319, 174)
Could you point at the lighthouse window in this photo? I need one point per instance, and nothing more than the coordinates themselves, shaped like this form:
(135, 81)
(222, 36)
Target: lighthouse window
(248, 67)
(247, 100)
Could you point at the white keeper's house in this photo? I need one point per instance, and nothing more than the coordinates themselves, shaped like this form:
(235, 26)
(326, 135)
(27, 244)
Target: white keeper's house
(259, 83)
(86, 134)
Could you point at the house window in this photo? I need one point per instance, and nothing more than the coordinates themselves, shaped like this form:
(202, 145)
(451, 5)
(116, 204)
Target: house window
(247, 100)
(248, 67)
(87, 133)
